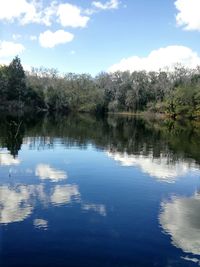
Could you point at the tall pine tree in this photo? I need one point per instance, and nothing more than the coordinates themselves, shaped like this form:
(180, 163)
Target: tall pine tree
(16, 83)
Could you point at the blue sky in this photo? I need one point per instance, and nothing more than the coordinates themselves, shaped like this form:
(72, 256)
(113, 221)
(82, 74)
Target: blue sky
(100, 35)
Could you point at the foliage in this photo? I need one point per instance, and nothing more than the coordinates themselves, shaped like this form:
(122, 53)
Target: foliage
(175, 93)
(13, 89)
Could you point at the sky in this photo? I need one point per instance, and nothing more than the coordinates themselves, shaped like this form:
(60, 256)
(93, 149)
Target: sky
(90, 36)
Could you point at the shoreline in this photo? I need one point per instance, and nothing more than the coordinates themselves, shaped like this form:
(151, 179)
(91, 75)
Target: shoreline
(144, 114)
(153, 115)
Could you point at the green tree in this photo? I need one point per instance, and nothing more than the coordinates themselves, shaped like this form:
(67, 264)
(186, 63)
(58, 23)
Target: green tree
(3, 83)
(16, 81)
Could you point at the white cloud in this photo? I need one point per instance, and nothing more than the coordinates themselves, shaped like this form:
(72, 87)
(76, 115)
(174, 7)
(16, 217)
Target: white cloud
(16, 36)
(70, 15)
(33, 38)
(45, 171)
(180, 218)
(188, 14)
(49, 12)
(112, 4)
(159, 59)
(8, 49)
(14, 9)
(50, 39)
(27, 11)
(99, 6)
(161, 168)
(40, 15)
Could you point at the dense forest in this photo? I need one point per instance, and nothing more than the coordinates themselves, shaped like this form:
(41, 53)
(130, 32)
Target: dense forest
(173, 93)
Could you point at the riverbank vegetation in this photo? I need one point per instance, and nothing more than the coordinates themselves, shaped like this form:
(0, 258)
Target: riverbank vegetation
(173, 93)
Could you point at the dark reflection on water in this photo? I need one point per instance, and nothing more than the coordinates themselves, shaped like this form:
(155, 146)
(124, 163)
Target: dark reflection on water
(91, 191)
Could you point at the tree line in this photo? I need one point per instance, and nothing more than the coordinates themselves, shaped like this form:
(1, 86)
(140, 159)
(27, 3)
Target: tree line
(174, 93)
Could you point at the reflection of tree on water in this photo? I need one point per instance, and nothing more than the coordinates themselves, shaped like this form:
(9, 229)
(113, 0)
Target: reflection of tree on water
(12, 131)
(183, 137)
(170, 139)
(15, 136)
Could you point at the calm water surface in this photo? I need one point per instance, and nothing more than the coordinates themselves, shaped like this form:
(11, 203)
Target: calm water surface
(86, 191)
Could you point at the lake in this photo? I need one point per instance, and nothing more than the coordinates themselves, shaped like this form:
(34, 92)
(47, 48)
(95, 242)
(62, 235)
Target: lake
(81, 190)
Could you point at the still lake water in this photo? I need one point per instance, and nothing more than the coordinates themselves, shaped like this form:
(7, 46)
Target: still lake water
(86, 191)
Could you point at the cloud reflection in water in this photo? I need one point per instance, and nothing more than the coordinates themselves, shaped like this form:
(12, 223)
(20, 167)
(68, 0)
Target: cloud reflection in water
(99, 208)
(6, 159)
(45, 171)
(180, 218)
(63, 194)
(40, 224)
(163, 169)
(14, 203)
(19, 202)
